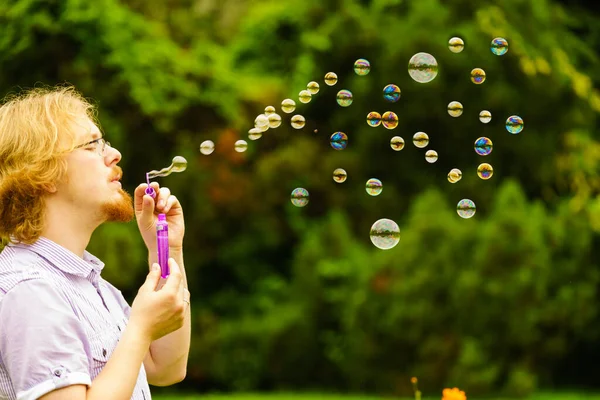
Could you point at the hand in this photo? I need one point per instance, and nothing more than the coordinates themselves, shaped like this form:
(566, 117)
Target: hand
(158, 312)
(146, 214)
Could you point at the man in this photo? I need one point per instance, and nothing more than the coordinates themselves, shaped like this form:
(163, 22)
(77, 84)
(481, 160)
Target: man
(66, 333)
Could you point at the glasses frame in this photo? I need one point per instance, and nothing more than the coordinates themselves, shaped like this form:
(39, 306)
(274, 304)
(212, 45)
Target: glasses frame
(102, 151)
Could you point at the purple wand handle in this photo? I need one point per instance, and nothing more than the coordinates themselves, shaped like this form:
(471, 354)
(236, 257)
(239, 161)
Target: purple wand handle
(162, 243)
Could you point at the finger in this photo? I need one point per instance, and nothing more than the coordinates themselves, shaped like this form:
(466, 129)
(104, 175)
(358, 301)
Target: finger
(153, 277)
(139, 193)
(175, 276)
(172, 203)
(161, 199)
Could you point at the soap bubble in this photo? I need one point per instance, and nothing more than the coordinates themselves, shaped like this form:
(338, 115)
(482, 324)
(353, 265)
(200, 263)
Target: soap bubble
(385, 234)
(313, 87)
(423, 67)
(397, 143)
(483, 146)
(454, 175)
(431, 156)
(339, 140)
(300, 197)
(374, 187)
(455, 109)
(344, 98)
(391, 93)
(514, 124)
(374, 119)
(288, 106)
(485, 116)
(477, 76)
(340, 175)
(485, 171)
(389, 120)
(254, 134)
(207, 147)
(298, 121)
(269, 110)
(465, 208)
(499, 46)
(261, 121)
(274, 120)
(241, 146)
(362, 67)
(456, 45)
(420, 139)
(178, 164)
(304, 96)
(331, 78)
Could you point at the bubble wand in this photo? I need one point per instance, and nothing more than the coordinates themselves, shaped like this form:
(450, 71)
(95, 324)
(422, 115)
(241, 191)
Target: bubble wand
(179, 164)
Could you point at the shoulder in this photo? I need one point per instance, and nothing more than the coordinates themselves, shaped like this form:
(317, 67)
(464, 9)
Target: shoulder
(18, 266)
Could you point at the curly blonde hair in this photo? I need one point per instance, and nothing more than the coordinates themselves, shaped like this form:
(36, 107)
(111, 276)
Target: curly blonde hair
(37, 129)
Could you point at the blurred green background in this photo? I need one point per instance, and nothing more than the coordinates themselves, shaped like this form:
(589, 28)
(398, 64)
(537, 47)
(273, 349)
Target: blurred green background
(298, 299)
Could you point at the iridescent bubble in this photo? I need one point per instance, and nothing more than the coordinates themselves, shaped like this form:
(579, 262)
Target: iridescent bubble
(313, 87)
(374, 119)
(499, 46)
(261, 121)
(374, 187)
(344, 98)
(298, 121)
(423, 67)
(339, 140)
(485, 171)
(454, 175)
(483, 146)
(389, 120)
(299, 197)
(331, 78)
(385, 234)
(485, 116)
(274, 120)
(207, 147)
(465, 208)
(241, 146)
(288, 106)
(391, 93)
(397, 143)
(514, 124)
(455, 109)
(420, 139)
(431, 156)
(477, 76)
(362, 67)
(456, 45)
(254, 134)
(340, 175)
(304, 96)
(269, 110)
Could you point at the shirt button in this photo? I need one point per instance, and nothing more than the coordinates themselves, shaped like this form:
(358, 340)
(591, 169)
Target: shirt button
(119, 327)
(104, 352)
(57, 372)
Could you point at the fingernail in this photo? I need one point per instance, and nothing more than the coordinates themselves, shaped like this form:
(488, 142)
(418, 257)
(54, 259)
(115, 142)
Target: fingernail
(161, 204)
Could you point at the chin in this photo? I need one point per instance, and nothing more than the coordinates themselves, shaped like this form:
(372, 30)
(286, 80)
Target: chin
(119, 210)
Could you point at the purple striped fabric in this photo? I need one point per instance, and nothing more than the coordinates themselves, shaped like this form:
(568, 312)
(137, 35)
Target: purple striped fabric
(59, 321)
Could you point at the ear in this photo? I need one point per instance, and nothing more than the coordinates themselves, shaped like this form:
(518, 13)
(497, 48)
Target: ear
(50, 188)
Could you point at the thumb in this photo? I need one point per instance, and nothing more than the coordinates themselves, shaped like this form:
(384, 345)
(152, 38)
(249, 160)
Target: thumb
(153, 277)
(147, 215)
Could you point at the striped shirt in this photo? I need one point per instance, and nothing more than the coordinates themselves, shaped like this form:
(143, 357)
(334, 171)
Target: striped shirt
(59, 321)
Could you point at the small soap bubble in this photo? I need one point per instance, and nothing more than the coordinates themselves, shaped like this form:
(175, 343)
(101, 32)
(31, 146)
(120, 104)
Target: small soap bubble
(261, 121)
(385, 234)
(331, 78)
(397, 143)
(298, 121)
(499, 46)
(456, 45)
(316, 131)
(420, 139)
(269, 110)
(288, 106)
(455, 109)
(465, 208)
(389, 120)
(313, 87)
(340, 175)
(241, 146)
(374, 187)
(374, 119)
(274, 120)
(339, 140)
(299, 197)
(514, 124)
(254, 134)
(423, 67)
(431, 156)
(485, 116)
(207, 147)
(178, 164)
(454, 175)
(344, 98)
(304, 96)
(483, 146)
(485, 171)
(477, 76)
(391, 93)
(362, 67)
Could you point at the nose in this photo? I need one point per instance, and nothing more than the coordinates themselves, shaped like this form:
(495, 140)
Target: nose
(112, 155)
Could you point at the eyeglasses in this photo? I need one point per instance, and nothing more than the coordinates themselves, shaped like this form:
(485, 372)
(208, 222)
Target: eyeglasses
(99, 145)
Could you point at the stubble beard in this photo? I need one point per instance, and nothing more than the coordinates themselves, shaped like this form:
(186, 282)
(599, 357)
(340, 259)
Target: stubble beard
(120, 210)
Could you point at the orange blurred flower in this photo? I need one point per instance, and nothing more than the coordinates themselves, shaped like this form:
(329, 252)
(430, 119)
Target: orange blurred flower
(453, 394)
